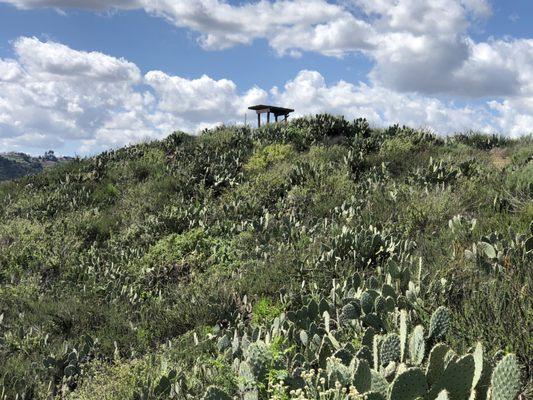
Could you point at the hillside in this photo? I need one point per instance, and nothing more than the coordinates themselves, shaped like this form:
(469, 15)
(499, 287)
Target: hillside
(16, 165)
(320, 259)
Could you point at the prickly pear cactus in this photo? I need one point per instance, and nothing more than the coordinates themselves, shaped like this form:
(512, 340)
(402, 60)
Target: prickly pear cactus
(368, 337)
(478, 364)
(378, 383)
(375, 351)
(344, 355)
(247, 384)
(349, 313)
(435, 367)
(390, 349)
(417, 345)
(505, 381)
(337, 372)
(362, 377)
(403, 334)
(456, 379)
(439, 323)
(364, 353)
(260, 358)
(379, 304)
(443, 396)
(409, 385)
(389, 304)
(367, 301)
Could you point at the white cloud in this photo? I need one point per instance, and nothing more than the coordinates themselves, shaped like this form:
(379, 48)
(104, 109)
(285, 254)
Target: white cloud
(425, 47)
(61, 93)
(193, 98)
(417, 45)
(308, 93)
(53, 96)
(285, 24)
(10, 71)
(515, 116)
(415, 16)
(57, 94)
(50, 60)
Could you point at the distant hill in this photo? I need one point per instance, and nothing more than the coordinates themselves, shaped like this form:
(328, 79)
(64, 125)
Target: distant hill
(16, 165)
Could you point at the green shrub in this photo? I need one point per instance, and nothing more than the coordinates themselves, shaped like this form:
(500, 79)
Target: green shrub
(267, 156)
(265, 310)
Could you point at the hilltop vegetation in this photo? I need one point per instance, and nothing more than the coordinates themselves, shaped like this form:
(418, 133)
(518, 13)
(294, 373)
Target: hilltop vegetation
(319, 259)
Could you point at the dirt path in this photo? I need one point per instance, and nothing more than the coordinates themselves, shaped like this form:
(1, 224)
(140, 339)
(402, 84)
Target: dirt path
(499, 158)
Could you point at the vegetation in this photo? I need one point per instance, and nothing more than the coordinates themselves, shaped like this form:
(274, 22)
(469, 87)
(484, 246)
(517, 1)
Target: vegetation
(321, 259)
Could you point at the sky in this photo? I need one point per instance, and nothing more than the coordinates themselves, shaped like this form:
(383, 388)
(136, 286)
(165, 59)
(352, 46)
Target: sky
(83, 76)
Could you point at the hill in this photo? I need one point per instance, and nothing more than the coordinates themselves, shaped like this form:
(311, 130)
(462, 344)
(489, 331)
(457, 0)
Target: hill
(318, 259)
(16, 165)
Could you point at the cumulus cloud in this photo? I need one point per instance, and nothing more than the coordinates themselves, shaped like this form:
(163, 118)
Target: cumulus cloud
(50, 60)
(52, 95)
(309, 92)
(55, 96)
(417, 45)
(310, 25)
(425, 47)
(193, 98)
(52, 88)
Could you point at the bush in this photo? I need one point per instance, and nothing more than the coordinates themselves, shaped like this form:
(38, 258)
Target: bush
(267, 156)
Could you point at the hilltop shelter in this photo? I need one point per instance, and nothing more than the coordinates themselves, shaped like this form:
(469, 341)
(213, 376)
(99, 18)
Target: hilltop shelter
(277, 111)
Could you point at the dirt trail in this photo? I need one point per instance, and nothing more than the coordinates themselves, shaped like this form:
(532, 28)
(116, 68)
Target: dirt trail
(499, 158)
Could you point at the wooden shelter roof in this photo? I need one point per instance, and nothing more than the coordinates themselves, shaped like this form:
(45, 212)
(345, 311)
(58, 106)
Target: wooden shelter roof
(273, 109)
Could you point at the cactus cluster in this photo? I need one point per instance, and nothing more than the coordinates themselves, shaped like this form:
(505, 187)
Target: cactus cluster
(67, 366)
(346, 342)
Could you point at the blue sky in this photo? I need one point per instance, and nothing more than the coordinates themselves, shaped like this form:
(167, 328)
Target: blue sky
(446, 65)
(153, 43)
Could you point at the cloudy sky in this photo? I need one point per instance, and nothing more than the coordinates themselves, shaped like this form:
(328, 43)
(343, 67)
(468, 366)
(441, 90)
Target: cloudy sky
(80, 76)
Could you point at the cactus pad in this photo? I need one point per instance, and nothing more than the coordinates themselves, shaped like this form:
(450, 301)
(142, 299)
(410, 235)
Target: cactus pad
(390, 349)
(260, 358)
(378, 383)
(435, 367)
(506, 379)
(478, 364)
(349, 312)
(362, 377)
(443, 396)
(456, 379)
(409, 385)
(403, 333)
(439, 323)
(367, 301)
(417, 345)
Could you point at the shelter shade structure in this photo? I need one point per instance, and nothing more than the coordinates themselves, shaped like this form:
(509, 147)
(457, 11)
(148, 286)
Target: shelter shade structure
(276, 111)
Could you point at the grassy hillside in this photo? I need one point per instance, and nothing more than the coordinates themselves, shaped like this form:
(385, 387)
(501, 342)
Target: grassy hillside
(280, 263)
(17, 165)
